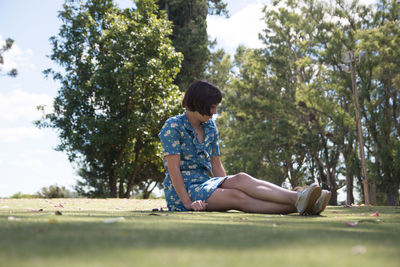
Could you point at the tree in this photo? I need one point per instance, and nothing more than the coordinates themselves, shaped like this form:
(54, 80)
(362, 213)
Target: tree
(255, 139)
(291, 103)
(54, 191)
(379, 73)
(219, 67)
(190, 34)
(7, 46)
(116, 91)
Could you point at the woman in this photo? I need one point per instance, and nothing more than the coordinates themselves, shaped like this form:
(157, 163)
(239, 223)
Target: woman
(196, 179)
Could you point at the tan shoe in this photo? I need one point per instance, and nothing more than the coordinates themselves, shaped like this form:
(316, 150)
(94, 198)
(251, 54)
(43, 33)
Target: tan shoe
(322, 202)
(307, 198)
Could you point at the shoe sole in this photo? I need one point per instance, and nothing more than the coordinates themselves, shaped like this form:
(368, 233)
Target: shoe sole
(326, 200)
(312, 198)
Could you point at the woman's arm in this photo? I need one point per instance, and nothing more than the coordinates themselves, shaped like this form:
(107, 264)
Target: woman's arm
(173, 164)
(217, 167)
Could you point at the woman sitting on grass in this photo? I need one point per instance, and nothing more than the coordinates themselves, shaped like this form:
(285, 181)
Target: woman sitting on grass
(195, 178)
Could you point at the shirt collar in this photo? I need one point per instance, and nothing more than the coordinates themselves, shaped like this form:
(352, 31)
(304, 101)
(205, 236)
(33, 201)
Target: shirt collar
(208, 125)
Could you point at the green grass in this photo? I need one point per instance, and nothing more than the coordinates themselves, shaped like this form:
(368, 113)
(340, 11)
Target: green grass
(81, 236)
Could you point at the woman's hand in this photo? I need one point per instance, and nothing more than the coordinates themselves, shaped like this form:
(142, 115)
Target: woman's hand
(197, 205)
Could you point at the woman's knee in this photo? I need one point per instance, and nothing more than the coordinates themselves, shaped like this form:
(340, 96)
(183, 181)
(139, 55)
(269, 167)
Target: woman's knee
(238, 181)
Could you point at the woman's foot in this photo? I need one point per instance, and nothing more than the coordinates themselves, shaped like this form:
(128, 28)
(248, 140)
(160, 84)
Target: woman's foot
(307, 198)
(322, 202)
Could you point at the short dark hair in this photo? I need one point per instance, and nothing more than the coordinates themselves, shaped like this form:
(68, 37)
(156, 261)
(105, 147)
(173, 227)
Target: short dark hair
(200, 96)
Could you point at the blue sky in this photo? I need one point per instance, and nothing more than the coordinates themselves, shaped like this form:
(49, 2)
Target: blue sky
(28, 160)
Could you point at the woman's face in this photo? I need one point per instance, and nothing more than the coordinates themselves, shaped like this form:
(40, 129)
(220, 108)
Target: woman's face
(205, 118)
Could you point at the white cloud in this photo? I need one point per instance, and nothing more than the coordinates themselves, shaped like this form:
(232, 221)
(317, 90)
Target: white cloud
(21, 105)
(242, 27)
(17, 58)
(17, 134)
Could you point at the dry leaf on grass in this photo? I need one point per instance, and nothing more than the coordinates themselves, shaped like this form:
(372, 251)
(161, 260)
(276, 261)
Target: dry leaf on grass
(376, 214)
(114, 220)
(359, 250)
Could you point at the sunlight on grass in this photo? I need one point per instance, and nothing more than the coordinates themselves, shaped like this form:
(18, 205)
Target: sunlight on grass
(127, 233)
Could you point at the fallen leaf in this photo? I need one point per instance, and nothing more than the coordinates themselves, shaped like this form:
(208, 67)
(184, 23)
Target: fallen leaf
(376, 214)
(359, 250)
(351, 224)
(35, 210)
(114, 220)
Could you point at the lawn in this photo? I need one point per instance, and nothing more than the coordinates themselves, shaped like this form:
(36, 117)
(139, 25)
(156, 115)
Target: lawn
(114, 232)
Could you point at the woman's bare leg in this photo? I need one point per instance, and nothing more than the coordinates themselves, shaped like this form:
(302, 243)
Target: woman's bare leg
(259, 189)
(223, 199)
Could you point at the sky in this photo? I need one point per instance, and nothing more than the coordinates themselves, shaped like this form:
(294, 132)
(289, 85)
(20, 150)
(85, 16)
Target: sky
(28, 160)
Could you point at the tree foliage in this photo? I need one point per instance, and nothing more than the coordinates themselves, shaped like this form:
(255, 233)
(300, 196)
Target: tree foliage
(54, 191)
(288, 112)
(117, 89)
(7, 46)
(189, 18)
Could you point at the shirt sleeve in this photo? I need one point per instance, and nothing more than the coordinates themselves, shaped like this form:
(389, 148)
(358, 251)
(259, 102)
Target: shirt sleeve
(215, 144)
(170, 138)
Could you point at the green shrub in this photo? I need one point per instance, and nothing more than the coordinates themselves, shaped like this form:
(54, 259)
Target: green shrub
(55, 191)
(20, 195)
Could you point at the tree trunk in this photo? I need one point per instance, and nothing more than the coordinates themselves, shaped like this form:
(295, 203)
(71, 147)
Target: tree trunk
(131, 183)
(349, 178)
(349, 189)
(121, 188)
(333, 200)
(146, 192)
(392, 193)
(113, 186)
(322, 176)
(332, 188)
(135, 171)
(293, 178)
(372, 193)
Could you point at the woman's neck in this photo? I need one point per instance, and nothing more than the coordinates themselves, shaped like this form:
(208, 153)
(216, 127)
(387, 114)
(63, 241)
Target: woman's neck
(194, 121)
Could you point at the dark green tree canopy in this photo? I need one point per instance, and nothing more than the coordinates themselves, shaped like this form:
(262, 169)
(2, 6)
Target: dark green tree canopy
(116, 92)
(189, 18)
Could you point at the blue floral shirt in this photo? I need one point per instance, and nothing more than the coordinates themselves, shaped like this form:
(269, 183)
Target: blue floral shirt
(178, 137)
